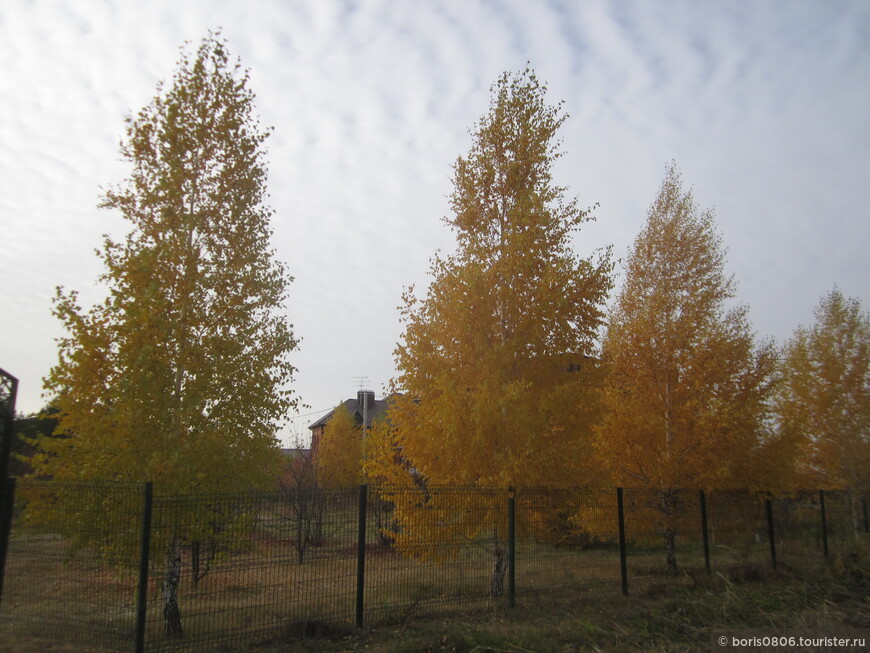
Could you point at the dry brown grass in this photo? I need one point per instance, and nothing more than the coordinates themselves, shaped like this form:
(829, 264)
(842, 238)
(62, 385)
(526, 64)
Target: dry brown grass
(55, 602)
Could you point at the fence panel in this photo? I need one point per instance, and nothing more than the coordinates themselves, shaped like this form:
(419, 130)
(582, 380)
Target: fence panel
(71, 569)
(845, 518)
(737, 529)
(225, 570)
(566, 540)
(260, 565)
(435, 549)
(663, 532)
(798, 531)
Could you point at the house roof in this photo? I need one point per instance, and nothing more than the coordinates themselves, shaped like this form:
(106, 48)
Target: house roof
(375, 409)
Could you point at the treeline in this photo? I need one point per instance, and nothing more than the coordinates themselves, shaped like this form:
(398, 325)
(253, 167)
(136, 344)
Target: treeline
(512, 372)
(183, 374)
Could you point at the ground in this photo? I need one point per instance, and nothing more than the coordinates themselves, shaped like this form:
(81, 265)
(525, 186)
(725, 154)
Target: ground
(672, 617)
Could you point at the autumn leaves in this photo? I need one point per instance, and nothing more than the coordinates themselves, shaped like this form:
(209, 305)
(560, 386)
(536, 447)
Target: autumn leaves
(183, 373)
(679, 393)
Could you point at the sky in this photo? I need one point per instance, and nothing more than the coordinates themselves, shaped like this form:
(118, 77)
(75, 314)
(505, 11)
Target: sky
(764, 106)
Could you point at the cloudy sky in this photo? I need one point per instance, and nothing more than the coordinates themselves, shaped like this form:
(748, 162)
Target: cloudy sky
(765, 106)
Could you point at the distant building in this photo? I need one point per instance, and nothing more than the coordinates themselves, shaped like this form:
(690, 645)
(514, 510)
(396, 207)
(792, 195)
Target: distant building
(365, 408)
(296, 453)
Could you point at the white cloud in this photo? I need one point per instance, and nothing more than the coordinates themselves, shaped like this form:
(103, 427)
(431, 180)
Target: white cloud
(763, 105)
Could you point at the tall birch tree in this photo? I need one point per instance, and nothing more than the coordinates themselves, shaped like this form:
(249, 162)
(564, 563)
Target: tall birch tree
(483, 365)
(823, 403)
(182, 374)
(686, 401)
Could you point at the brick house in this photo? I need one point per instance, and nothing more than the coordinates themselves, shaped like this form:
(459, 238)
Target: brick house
(364, 409)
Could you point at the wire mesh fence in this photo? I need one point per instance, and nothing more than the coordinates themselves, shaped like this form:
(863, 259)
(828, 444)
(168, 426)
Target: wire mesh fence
(249, 566)
(66, 569)
(436, 549)
(737, 528)
(567, 539)
(118, 568)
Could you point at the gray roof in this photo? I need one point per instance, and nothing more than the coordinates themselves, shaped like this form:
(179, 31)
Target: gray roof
(375, 410)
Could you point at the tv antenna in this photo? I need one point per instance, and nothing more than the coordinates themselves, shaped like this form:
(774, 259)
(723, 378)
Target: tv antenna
(362, 380)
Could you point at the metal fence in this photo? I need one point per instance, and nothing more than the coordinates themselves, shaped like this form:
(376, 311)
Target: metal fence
(116, 567)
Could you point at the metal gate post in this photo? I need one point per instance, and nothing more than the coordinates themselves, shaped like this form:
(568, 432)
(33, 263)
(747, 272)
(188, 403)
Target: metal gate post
(512, 548)
(361, 556)
(824, 522)
(623, 564)
(704, 535)
(770, 532)
(144, 550)
(7, 507)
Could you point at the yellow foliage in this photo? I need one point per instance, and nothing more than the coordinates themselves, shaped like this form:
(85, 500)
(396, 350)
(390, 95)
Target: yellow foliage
(687, 391)
(483, 365)
(180, 376)
(487, 396)
(339, 454)
(824, 399)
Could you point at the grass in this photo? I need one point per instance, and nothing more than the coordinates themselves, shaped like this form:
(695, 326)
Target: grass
(658, 617)
(569, 597)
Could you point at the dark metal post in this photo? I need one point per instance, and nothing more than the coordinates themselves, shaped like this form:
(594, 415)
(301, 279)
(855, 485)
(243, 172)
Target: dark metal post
(623, 565)
(361, 555)
(704, 535)
(8, 393)
(512, 547)
(7, 507)
(824, 522)
(866, 520)
(144, 549)
(770, 532)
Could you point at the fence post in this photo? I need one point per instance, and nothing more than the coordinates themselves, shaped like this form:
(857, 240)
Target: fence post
(8, 393)
(770, 532)
(623, 566)
(7, 508)
(866, 520)
(361, 555)
(704, 536)
(144, 550)
(824, 522)
(512, 547)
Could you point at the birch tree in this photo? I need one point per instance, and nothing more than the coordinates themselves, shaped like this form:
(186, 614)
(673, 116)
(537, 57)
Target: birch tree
(824, 399)
(484, 359)
(483, 365)
(182, 374)
(686, 401)
(339, 455)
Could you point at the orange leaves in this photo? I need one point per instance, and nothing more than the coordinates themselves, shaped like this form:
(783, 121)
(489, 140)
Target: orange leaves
(340, 451)
(687, 390)
(488, 400)
(824, 400)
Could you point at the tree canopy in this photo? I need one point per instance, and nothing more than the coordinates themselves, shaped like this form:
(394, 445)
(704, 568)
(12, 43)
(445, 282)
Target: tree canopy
(181, 375)
(823, 403)
(340, 452)
(687, 391)
(484, 357)
(686, 396)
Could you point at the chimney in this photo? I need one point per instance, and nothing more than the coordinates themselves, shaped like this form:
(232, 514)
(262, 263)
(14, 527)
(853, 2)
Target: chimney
(366, 400)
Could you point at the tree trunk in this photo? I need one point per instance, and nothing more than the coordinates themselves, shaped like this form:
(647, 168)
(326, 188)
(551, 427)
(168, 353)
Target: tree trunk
(671, 555)
(496, 587)
(171, 613)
